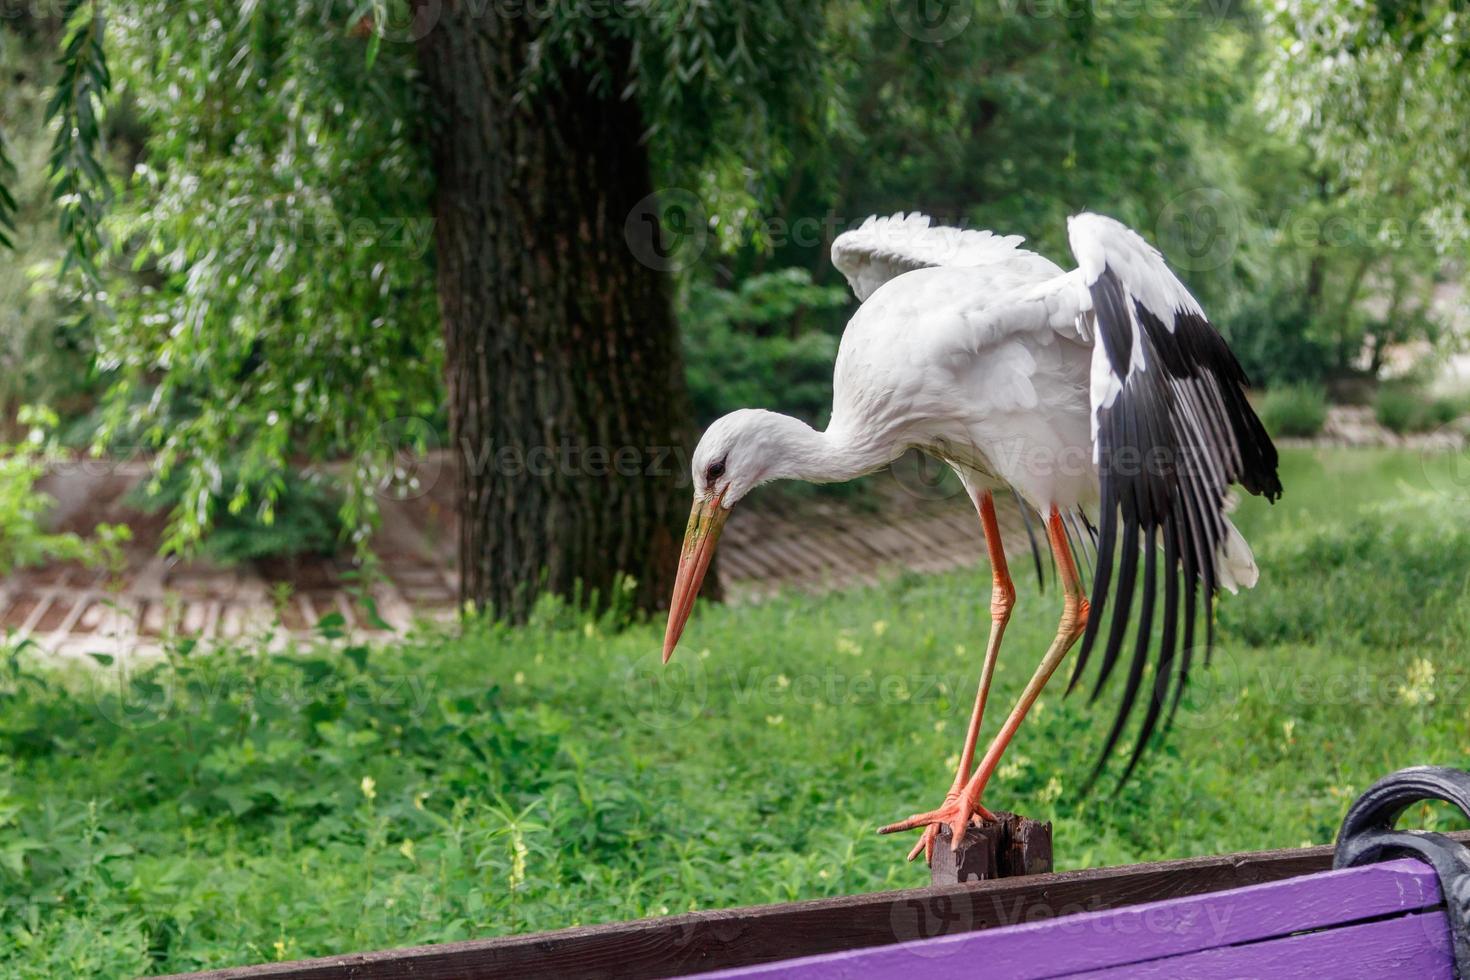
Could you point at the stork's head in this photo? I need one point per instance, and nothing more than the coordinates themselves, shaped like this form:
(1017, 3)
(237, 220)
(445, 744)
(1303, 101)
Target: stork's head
(739, 452)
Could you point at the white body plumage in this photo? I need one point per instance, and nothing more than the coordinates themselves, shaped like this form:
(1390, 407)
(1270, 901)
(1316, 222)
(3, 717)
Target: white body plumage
(1010, 410)
(1103, 391)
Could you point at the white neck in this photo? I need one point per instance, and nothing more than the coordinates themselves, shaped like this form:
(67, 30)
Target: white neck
(799, 452)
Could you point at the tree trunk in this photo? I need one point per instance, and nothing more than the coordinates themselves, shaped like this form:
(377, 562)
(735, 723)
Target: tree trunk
(567, 402)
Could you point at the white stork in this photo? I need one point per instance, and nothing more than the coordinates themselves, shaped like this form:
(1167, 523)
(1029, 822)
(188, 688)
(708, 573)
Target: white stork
(1103, 390)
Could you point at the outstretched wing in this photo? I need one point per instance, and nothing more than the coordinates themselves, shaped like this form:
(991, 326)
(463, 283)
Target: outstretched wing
(1172, 431)
(884, 248)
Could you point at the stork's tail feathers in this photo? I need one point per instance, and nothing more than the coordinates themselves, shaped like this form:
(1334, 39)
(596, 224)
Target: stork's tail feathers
(1235, 565)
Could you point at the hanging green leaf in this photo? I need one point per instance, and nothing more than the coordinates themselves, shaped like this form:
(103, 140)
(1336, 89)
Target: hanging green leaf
(79, 183)
(8, 206)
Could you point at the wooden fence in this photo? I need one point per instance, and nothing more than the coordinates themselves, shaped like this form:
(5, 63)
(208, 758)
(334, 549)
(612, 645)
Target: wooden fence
(722, 939)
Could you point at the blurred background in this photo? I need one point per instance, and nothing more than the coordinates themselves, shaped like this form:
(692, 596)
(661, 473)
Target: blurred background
(327, 324)
(242, 240)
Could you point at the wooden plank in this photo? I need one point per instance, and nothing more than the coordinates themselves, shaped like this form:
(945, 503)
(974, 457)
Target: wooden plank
(1416, 946)
(721, 938)
(802, 561)
(1127, 938)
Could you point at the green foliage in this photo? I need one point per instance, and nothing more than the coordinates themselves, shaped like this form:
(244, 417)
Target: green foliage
(756, 345)
(1273, 338)
(8, 205)
(272, 279)
(79, 180)
(268, 282)
(1364, 88)
(1368, 87)
(1364, 551)
(1415, 564)
(1294, 410)
(24, 539)
(302, 517)
(44, 354)
(339, 798)
(1014, 122)
(1402, 408)
(728, 89)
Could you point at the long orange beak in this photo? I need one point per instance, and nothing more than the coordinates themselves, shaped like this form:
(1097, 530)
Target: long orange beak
(706, 521)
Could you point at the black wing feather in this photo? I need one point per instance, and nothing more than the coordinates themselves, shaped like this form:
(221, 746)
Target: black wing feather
(1172, 440)
(1031, 536)
(1107, 534)
(1077, 540)
(1162, 672)
(1186, 653)
(1127, 577)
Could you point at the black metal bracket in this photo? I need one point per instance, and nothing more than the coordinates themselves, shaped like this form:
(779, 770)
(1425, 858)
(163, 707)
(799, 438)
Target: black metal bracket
(1368, 836)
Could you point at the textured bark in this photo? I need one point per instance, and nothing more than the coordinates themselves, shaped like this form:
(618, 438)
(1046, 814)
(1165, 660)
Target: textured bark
(566, 393)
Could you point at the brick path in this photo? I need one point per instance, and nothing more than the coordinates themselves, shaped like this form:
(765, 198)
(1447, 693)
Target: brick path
(73, 611)
(770, 544)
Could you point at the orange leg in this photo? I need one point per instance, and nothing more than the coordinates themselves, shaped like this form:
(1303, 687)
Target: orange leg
(1002, 600)
(956, 813)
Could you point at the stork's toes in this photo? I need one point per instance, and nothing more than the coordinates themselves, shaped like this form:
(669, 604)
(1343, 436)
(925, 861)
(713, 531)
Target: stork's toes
(956, 814)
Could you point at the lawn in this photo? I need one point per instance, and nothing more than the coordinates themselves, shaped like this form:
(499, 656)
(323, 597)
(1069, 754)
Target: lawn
(222, 807)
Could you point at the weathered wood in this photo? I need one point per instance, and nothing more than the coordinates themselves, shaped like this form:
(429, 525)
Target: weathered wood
(1025, 848)
(976, 860)
(1135, 941)
(717, 939)
(1013, 846)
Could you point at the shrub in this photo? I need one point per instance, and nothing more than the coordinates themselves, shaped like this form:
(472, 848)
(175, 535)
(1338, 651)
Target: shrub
(306, 518)
(1403, 409)
(1295, 410)
(24, 539)
(1276, 342)
(756, 346)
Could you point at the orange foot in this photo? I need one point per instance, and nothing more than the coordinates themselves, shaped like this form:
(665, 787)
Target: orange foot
(956, 814)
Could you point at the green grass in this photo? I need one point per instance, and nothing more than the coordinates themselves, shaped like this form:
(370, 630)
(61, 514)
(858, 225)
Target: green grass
(223, 808)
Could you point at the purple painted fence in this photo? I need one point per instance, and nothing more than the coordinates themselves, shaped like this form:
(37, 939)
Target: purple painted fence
(1375, 921)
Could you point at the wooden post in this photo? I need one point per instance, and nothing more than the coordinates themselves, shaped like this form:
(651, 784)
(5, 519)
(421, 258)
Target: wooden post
(1012, 847)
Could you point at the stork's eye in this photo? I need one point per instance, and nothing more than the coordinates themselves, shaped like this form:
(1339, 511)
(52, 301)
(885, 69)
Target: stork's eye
(715, 471)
